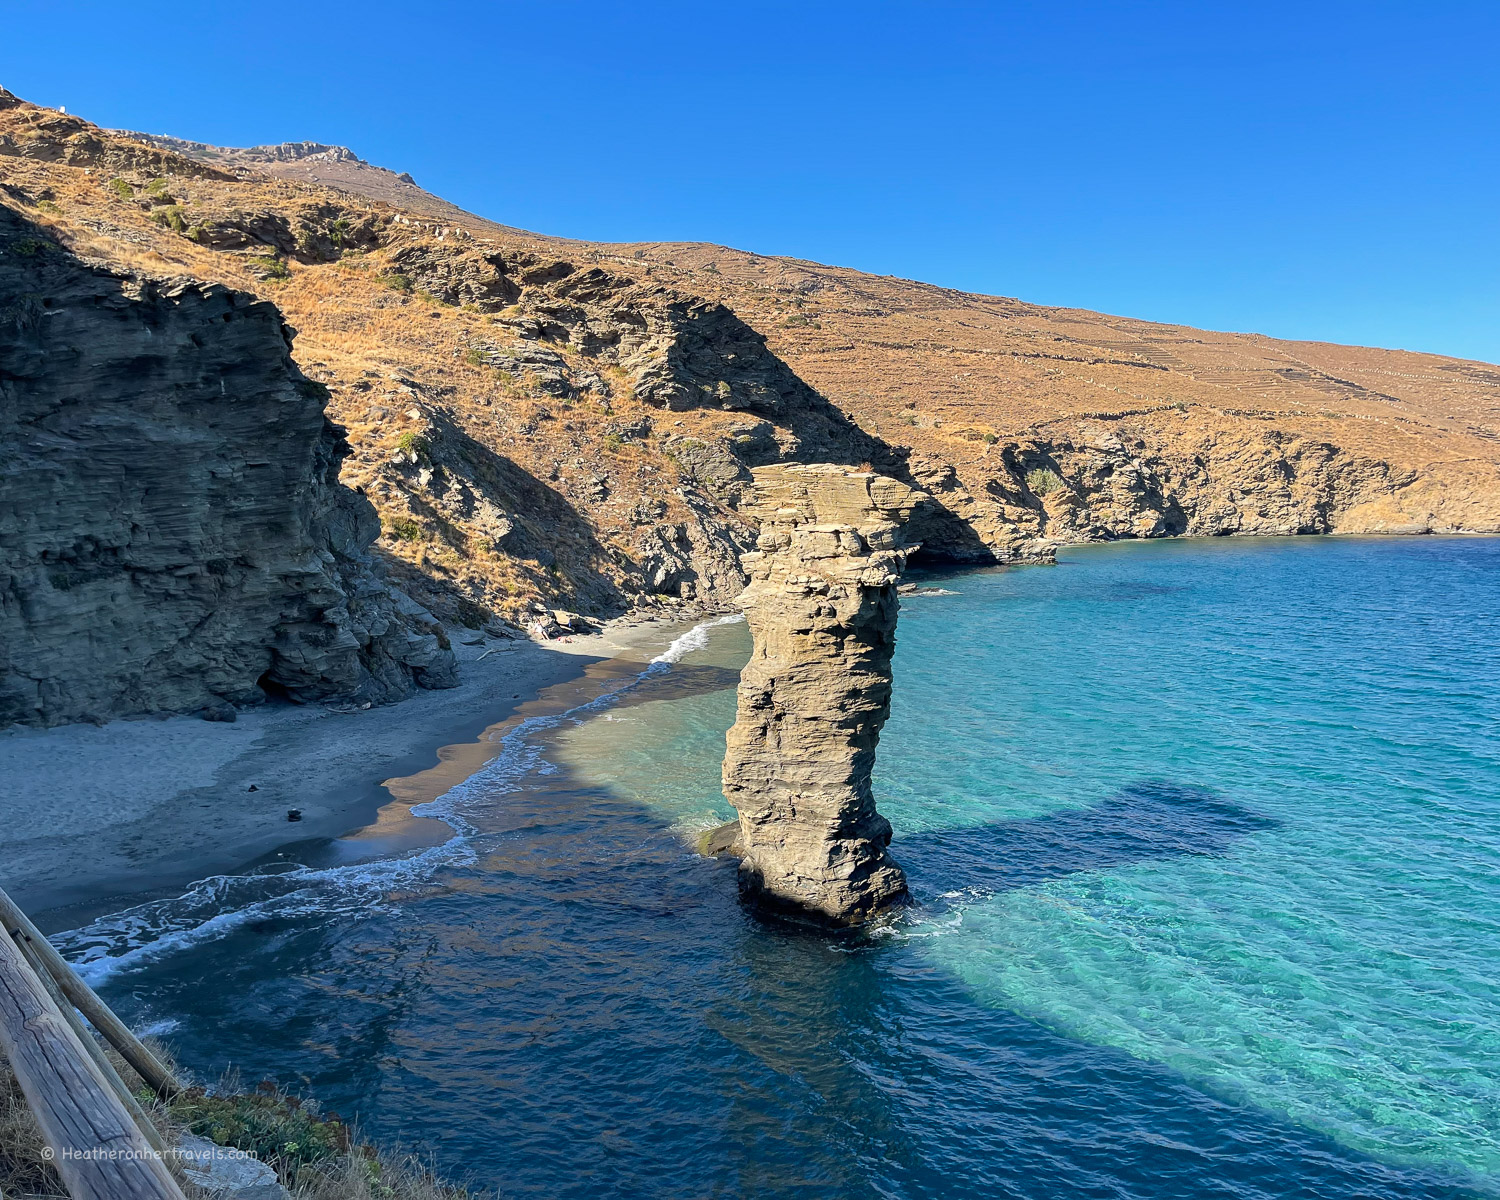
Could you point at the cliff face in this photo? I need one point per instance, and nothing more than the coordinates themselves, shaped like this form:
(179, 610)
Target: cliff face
(1165, 478)
(822, 608)
(546, 424)
(173, 535)
(1126, 428)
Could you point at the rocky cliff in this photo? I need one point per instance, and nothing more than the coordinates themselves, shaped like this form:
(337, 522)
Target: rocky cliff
(543, 423)
(822, 609)
(173, 536)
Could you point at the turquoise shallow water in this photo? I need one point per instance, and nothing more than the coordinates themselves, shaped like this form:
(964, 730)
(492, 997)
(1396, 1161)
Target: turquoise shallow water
(1337, 962)
(1206, 843)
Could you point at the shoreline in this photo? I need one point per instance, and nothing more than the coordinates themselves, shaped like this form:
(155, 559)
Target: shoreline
(101, 818)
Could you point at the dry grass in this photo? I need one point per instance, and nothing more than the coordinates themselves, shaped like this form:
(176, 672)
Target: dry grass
(989, 373)
(317, 1156)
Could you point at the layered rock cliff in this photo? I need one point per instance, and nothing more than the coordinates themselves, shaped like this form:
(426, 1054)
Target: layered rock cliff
(543, 423)
(173, 535)
(822, 607)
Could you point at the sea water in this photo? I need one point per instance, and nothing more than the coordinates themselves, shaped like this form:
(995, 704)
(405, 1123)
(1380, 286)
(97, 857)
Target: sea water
(1205, 844)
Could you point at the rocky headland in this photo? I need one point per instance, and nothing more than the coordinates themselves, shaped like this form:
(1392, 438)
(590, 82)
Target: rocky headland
(822, 606)
(541, 425)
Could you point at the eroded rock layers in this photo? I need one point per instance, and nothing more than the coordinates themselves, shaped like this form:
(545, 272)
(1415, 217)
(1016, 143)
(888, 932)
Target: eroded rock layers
(173, 535)
(822, 607)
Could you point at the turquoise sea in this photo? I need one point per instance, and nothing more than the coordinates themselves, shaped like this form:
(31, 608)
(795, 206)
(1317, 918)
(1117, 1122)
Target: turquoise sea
(1205, 839)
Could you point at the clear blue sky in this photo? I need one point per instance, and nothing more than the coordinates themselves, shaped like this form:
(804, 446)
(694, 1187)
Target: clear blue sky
(1310, 170)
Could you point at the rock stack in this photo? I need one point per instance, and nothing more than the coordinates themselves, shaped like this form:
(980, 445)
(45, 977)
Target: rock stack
(822, 609)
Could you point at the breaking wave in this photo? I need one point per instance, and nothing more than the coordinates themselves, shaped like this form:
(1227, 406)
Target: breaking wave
(216, 906)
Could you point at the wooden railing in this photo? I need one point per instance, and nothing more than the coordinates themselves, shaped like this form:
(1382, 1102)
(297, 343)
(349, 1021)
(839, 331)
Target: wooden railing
(102, 1143)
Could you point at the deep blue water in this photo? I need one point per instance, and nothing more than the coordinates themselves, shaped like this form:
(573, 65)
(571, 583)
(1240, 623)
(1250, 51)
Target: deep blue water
(1206, 843)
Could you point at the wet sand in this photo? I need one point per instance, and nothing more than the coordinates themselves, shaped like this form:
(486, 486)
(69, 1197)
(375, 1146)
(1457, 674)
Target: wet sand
(93, 819)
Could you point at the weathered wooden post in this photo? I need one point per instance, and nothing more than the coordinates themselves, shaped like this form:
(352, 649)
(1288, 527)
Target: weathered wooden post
(150, 1068)
(96, 1146)
(90, 1045)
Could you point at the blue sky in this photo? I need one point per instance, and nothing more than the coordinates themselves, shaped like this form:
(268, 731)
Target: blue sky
(1315, 170)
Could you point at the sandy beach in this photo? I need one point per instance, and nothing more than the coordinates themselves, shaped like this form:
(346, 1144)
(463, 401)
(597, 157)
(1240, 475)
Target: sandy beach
(100, 817)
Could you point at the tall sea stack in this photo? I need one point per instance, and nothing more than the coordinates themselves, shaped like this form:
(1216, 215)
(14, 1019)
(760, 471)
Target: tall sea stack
(822, 609)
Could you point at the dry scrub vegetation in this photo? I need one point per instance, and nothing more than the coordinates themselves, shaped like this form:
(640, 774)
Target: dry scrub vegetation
(516, 460)
(316, 1155)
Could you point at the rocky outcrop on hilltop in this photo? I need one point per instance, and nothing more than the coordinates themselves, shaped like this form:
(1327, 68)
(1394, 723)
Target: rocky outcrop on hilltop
(279, 153)
(822, 607)
(676, 351)
(173, 535)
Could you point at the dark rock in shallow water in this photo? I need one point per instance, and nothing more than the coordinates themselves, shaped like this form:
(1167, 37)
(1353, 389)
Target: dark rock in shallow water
(722, 841)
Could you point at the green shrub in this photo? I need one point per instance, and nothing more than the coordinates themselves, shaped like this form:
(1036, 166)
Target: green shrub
(414, 443)
(122, 188)
(474, 356)
(273, 267)
(157, 187)
(1043, 481)
(990, 439)
(397, 282)
(404, 530)
(613, 442)
(171, 218)
(278, 1129)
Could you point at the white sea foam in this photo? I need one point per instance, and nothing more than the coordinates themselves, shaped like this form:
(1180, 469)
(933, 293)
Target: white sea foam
(217, 906)
(695, 638)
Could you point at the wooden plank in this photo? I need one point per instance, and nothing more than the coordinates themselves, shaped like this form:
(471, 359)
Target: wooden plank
(86, 1039)
(150, 1068)
(96, 1147)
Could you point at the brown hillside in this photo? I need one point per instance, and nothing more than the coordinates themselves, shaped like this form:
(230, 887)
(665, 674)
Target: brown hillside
(548, 422)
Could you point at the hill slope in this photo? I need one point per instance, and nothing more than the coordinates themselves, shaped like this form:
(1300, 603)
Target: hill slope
(546, 422)
(1148, 428)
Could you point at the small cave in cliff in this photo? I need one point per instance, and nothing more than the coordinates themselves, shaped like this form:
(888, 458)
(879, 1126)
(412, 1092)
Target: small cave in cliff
(948, 556)
(275, 690)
